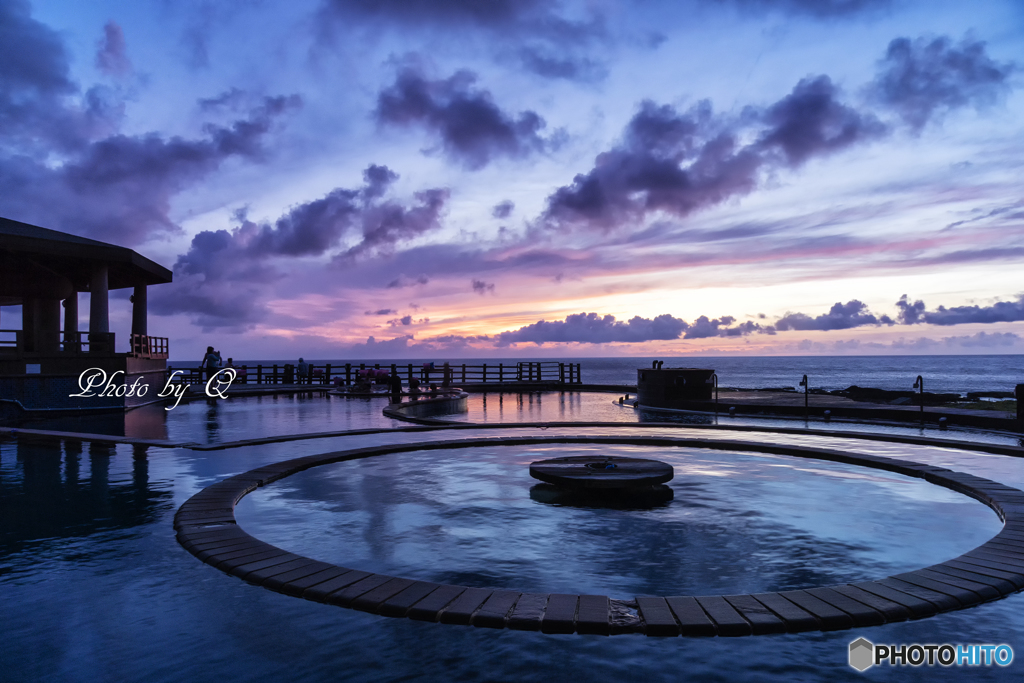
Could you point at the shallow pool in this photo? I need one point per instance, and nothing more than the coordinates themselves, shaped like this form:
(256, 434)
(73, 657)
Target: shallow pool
(95, 587)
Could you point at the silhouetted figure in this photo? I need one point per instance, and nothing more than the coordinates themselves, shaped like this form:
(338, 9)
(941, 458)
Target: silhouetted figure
(395, 383)
(303, 372)
(211, 362)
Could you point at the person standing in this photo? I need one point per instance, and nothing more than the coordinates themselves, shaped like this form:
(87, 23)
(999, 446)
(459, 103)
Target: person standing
(303, 371)
(211, 362)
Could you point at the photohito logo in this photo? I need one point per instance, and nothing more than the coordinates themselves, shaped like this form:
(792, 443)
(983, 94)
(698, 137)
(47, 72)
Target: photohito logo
(864, 654)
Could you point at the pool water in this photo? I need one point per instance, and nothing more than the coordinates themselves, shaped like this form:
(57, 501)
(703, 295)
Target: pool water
(94, 586)
(735, 524)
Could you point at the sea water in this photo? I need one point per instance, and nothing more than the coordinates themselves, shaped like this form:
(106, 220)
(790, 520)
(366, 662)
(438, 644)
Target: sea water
(955, 374)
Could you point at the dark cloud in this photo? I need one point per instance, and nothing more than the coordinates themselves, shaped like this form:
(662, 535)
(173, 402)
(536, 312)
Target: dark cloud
(503, 209)
(678, 163)
(471, 128)
(922, 79)
(999, 312)
(112, 52)
(909, 313)
(811, 122)
(63, 163)
(840, 317)
(382, 311)
(227, 99)
(119, 188)
(551, 63)
(704, 327)
(481, 287)
(503, 20)
(815, 8)
(592, 328)
(485, 13)
(222, 263)
(403, 281)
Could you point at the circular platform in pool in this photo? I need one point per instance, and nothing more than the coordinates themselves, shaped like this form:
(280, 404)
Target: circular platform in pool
(207, 527)
(602, 473)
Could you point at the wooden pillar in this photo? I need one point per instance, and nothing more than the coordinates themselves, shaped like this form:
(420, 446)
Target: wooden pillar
(99, 316)
(139, 306)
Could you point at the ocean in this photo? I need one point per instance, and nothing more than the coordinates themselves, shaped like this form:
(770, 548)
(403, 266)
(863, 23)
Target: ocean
(941, 374)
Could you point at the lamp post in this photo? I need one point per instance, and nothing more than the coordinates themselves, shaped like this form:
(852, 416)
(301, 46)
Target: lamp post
(919, 384)
(807, 408)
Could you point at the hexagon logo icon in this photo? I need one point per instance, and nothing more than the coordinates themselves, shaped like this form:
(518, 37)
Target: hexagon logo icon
(862, 654)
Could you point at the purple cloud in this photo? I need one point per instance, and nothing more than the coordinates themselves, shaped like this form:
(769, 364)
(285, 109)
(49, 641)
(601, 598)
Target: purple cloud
(999, 312)
(922, 79)
(811, 122)
(112, 52)
(481, 287)
(222, 263)
(503, 209)
(591, 328)
(471, 128)
(822, 9)
(840, 317)
(679, 163)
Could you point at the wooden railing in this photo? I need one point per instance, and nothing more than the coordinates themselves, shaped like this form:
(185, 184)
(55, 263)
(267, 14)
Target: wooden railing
(71, 343)
(548, 372)
(144, 346)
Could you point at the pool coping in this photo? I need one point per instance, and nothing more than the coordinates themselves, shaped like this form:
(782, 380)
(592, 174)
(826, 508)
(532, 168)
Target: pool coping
(206, 527)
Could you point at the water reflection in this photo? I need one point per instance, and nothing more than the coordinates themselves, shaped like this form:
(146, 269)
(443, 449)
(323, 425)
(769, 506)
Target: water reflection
(549, 494)
(45, 494)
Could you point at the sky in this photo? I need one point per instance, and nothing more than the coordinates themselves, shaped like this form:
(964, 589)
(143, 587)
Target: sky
(527, 178)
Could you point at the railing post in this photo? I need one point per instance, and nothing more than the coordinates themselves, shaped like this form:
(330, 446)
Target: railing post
(501, 372)
(275, 380)
(410, 373)
(327, 374)
(484, 380)
(579, 376)
(259, 373)
(463, 373)
(348, 374)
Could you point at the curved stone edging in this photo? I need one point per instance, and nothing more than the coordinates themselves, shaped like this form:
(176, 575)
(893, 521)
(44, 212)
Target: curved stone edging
(207, 528)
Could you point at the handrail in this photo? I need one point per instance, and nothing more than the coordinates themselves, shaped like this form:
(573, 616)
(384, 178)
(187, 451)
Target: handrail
(554, 373)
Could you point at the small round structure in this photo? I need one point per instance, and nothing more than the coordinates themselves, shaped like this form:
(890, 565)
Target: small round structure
(610, 473)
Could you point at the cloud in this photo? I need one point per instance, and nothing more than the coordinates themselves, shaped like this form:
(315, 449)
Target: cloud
(112, 52)
(703, 328)
(681, 162)
(984, 340)
(922, 79)
(221, 263)
(999, 312)
(382, 311)
(909, 313)
(840, 317)
(811, 122)
(471, 128)
(822, 9)
(555, 64)
(481, 287)
(591, 328)
(503, 209)
(404, 281)
(63, 163)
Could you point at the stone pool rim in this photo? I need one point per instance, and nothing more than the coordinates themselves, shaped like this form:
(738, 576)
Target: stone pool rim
(206, 527)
